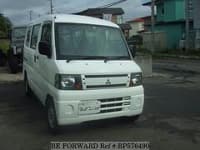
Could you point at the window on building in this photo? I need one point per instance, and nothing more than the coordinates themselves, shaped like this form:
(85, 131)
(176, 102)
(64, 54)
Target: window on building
(119, 19)
(163, 10)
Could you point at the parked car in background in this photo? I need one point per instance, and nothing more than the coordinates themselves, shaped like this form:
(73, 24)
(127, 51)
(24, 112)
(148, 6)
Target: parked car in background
(15, 53)
(81, 69)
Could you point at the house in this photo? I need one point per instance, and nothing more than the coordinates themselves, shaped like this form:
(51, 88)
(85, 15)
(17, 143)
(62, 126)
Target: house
(147, 22)
(112, 14)
(196, 5)
(137, 26)
(170, 21)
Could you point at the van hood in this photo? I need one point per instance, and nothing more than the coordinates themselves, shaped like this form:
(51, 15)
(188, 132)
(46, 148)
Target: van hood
(94, 67)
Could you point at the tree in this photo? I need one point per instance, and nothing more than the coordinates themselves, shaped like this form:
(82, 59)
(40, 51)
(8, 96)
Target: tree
(5, 25)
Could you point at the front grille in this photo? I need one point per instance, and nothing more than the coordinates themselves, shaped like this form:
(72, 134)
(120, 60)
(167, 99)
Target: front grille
(105, 81)
(105, 86)
(105, 76)
(111, 110)
(110, 100)
(113, 104)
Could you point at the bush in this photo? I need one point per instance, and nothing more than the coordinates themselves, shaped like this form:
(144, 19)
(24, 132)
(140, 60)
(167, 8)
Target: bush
(4, 46)
(2, 58)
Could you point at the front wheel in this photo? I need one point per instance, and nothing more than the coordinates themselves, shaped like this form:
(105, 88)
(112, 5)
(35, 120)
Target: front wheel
(51, 117)
(132, 118)
(135, 118)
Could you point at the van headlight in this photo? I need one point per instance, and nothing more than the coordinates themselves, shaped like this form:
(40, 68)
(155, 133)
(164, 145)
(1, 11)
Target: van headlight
(136, 79)
(68, 82)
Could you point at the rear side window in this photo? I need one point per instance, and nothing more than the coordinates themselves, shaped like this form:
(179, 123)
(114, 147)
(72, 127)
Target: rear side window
(28, 36)
(34, 36)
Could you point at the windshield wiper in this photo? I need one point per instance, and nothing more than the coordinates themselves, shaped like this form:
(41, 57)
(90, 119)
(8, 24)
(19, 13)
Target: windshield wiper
(85, 58)
(117, 58)
(105, 58)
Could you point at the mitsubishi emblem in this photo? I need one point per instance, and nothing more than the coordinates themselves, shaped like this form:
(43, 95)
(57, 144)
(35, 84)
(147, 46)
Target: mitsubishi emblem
(108, 82)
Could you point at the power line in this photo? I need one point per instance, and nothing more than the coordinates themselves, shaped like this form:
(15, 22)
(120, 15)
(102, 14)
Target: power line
(112, 4)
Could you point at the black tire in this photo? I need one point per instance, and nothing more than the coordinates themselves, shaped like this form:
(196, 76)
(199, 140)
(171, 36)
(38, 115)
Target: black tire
(135, 118)
(52, 117)
(13, 62)
(132, 118)
(27, 88)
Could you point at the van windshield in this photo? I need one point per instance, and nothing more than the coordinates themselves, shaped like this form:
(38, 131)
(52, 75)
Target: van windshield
(80, 41)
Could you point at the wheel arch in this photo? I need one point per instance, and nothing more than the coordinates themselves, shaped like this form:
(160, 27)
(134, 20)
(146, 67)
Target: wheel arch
(48, 99)
(24, 74)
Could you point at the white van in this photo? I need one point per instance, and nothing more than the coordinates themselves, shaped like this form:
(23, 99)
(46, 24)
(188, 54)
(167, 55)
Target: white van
(81, 69)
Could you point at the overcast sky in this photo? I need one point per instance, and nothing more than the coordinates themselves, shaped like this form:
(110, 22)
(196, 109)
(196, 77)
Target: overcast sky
(18, 10)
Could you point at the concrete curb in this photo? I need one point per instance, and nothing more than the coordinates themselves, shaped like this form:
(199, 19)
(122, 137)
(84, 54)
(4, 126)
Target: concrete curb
(175, 67)
(177, 56)
(7, 77)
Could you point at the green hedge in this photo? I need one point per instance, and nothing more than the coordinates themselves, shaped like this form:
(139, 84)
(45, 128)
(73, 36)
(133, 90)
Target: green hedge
(4, 45)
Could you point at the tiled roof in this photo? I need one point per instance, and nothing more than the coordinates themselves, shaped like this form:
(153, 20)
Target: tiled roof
(100, 11)
(137, 20)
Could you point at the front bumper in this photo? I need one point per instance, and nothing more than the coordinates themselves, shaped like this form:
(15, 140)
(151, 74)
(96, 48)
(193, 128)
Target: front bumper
(67, 104)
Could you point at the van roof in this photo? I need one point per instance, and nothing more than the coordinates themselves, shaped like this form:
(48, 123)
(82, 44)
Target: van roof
(68, 18)
(19, 26)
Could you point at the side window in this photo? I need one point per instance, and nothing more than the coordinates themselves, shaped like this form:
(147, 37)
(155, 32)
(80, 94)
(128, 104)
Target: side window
(28, 36)
(34, 36)
(46, 33)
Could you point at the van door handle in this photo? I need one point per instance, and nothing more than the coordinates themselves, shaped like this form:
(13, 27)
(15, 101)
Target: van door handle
(35, 58)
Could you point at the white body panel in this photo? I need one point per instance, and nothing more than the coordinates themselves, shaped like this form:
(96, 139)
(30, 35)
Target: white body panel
(113, 101)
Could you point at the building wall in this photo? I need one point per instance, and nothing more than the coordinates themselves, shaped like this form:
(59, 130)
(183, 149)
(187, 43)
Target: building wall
(160, 41)
(174, 33)
(171, 10)
(160, 12)
(136, 26)
(196, 14)
(180, 9)
(118, 19)
(196, 17)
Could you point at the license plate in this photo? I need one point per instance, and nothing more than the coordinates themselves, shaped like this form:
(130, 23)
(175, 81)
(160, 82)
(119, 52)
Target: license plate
(89, 107)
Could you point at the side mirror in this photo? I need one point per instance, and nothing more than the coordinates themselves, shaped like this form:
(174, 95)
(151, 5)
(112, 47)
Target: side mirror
(45, 48)
(132, 50)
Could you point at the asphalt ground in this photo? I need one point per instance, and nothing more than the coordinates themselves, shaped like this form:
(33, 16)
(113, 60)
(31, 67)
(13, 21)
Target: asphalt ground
(171, 118)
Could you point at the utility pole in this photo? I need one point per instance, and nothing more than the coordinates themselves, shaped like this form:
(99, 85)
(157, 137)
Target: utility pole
(51, 6)
(187, 25)
(152, 25)
(30, 14)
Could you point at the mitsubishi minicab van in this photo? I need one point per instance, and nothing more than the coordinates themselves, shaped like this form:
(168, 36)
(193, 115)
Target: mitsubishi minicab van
(81, 69)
